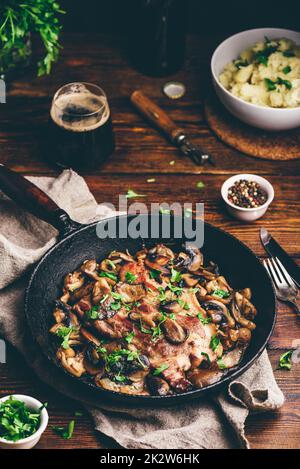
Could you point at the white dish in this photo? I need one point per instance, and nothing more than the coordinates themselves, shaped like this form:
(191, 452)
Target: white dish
(30, 441)
(267, 118)
(247, 214)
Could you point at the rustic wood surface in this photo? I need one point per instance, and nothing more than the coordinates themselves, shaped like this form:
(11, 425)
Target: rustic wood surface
(142, 153)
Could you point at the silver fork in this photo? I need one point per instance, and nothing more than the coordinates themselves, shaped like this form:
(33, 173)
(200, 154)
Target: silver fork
(285, 287)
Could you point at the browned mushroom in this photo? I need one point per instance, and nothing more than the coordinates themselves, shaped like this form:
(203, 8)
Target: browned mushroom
(236, 313)
(73, 281)
(174, 333)
(90, 269)
(94, 363)
(171, 307)
(100, 289)
(215, 309)
(107, 329)
(158, 257)
(195, 258)
(131, 293)
(204, 377)
(157, 386)
(245, 306)
(244, 335)
(73, 364)
(87, 335)
(190, 280)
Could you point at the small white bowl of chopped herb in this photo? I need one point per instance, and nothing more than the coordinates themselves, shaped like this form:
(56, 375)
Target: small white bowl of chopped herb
(247, 196)
(23, 420)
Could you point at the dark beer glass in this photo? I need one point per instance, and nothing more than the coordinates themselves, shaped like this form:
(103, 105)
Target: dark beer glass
(80, 130)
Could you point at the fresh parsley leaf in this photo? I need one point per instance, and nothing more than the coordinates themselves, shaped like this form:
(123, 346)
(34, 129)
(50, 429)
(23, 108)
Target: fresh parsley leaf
(176, 276)
(65, 432)
(111, 263)
(129, 337)
(200, 185)
(64, 333)
(285, 360)
(221, 293)
(92, 314)
(203, 319)
(207, 357)
(286, 69)
(155, 274)
(270, 84)
(115, 306)
(262, 56)
(286, 83)
(214, 343)
(160, 369)
(221, 364)
(129, 277)
(108, 275)
(132, 194)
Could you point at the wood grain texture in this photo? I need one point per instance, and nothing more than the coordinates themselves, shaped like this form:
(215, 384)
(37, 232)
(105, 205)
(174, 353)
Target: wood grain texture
(143, 153)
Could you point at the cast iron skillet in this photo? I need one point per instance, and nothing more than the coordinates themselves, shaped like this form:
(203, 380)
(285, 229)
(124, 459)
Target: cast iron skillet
(79, 242)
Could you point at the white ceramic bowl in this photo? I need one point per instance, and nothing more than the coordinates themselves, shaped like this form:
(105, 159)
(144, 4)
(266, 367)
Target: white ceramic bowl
(30, 441)
(266, 118)
(247, 214)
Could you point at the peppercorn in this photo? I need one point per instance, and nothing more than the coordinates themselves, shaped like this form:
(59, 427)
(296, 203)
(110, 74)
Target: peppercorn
(247, 194)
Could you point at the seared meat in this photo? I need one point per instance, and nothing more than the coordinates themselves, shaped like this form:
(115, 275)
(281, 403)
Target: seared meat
(155, 323)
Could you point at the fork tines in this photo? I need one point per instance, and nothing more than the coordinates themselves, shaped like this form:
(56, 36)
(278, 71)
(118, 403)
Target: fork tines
(278, 273)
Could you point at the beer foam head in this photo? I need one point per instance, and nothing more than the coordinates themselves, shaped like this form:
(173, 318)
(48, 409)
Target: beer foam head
(78, 109)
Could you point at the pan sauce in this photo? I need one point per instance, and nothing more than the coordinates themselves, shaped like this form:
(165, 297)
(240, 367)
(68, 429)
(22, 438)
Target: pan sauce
(156, 323)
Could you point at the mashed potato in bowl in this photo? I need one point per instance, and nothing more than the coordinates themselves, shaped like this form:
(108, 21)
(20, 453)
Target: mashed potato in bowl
(266, 74)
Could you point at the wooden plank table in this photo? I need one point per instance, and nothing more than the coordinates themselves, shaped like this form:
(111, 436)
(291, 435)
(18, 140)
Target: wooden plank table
(142, 153)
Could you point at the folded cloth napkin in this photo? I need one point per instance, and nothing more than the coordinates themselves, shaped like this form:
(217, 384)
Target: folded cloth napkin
(216, 422)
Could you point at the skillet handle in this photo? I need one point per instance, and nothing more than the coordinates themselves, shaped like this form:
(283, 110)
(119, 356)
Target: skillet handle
(35, 201)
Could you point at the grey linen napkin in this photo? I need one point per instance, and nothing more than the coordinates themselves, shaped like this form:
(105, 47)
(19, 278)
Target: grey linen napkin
(205, 423)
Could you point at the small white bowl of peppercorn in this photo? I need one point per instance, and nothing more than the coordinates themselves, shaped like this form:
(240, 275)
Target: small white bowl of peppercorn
(247, 196)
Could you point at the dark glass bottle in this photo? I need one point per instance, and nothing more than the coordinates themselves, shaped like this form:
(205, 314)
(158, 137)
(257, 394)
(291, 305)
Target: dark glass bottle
(157, 35)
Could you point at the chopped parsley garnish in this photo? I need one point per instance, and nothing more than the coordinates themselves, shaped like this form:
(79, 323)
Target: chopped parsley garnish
(92, 314)
(120, 378)
(286, 83)
(203, 319)
(286, 69)
(108, 275)
(129, 277)
(65, 432)
(129, 337)
(115, 306)
(270, 84)
(221, 293)
(132, 194)
(200, 185)
(285, 360)
(221, 364)
(112, 264)
(177, 290)
(214, 343)
(160, 369)
(206, 356)
(176, 276)
(64, 333)
(155, 274)
(262, 56)
(17, 421)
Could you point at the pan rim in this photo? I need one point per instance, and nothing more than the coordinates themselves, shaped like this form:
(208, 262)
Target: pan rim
(145, 399)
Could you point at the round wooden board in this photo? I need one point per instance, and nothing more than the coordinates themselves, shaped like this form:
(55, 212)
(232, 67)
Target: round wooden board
(254, 142)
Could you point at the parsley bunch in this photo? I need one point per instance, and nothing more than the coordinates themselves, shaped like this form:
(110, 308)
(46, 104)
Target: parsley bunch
(17, 21)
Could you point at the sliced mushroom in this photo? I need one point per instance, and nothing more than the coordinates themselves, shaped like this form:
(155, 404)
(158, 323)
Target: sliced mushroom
(93, 361)
(73, 281)
(189, 280)
(100, 289)
(171, 307)
(246, 292)
(174, 333)
(131, 293)
(90, 269)
(236, 313)
(215, 308)
(158, 257)
(204, 377)
(244, 335)
(138, 375)
(106, 329)
(195, 258)
(87, 335)
(73, 365)
(181, 261)
(107, 265)
(82, 292)
(157, 386)
(59, 315)
(117, 256)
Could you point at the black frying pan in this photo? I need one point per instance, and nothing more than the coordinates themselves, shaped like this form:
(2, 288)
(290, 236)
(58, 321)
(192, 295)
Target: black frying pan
(79, 242)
